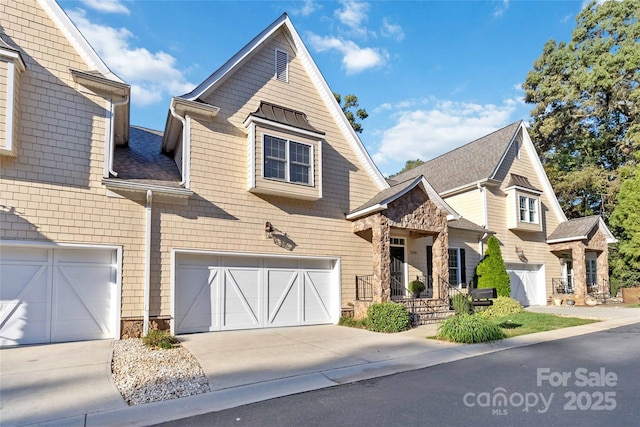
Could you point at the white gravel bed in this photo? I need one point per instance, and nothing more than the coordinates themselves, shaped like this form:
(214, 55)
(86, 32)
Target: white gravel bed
(143, 375)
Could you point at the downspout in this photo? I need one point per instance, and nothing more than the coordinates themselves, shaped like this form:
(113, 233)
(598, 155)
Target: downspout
(112, 125)
(485, 217)
(186, 130)
(147, 264)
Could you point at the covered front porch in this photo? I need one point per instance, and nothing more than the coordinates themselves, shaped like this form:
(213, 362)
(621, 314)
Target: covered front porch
(582, 248)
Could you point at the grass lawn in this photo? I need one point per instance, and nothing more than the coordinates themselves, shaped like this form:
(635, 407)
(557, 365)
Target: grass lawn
(530, 323)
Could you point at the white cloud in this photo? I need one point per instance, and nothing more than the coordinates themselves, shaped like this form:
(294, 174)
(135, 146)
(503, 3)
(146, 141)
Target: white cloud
(501, 9)
(586, 3)
(307, 8)
(151, 75)
(353, 14)
(392, 30)
(106, 6)
(428, 133)
(355, 59)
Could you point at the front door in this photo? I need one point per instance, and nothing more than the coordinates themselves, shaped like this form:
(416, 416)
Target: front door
(397, 271)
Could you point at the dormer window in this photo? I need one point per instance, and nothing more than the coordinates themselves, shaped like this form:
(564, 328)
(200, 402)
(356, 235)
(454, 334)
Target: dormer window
(523, 205)
(528, 209)
(284, 153)
(287, 160)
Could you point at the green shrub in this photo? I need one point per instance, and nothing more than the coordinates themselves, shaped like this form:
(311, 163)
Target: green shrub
(469, 329)
(159, 339)
(461, 303)
(503, 306)
(388, 317)
(416, 287)
(491, 271)
(353, 323)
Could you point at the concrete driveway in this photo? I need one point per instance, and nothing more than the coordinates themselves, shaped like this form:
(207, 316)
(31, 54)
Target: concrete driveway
(47, 382)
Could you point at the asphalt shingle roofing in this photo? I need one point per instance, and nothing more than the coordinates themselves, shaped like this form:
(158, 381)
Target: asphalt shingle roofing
(575, 228)
(475, 161)
(142, 159)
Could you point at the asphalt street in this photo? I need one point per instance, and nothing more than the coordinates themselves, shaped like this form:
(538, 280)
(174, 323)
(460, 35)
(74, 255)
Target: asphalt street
(588, 380)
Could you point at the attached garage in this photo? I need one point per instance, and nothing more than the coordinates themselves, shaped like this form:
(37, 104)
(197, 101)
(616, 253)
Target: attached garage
(57, 294)
(225, 292)
(527, 284)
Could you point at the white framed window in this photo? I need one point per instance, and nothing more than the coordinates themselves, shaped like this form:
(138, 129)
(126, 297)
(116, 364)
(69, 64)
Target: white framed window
(528, 207)
(287, 160)
(282, 66)
(457, 266)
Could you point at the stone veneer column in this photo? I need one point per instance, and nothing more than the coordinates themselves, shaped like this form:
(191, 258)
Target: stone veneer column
(381, 259)
(579, 273)
(440, 263)
(602, 272)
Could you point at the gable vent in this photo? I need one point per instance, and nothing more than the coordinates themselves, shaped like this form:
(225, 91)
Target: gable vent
(282, 66)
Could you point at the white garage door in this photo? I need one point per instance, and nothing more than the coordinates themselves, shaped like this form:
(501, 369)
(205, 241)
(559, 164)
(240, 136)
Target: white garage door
(527, 284)
(56, 295)
(221, 292)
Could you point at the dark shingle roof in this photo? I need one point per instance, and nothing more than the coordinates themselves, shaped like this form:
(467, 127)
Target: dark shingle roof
(143, 161)
(285, 116)
(386, 194)
(522, 182)
(577, 228)
(475, 161)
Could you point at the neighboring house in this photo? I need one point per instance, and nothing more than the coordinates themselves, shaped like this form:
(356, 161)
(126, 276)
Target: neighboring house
(257, 206)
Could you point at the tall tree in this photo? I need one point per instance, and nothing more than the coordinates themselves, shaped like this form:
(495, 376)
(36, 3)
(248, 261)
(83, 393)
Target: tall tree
(351, 109)
(625, 223)
(408, 165)
(586, 117)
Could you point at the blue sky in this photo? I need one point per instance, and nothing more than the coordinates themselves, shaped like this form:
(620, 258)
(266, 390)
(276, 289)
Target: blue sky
(432, 75)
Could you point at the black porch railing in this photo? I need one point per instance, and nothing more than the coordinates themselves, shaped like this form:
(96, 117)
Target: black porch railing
(364, 288)
(561, 286)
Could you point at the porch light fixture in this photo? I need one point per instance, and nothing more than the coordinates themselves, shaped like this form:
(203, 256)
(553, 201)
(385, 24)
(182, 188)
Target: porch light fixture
(268, 230)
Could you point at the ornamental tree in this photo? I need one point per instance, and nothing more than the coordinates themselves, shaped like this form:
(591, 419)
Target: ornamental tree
(491, 271)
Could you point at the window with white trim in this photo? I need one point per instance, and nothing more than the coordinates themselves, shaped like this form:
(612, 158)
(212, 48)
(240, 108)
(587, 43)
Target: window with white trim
(282, 65)
(528, 207)
(457, 267)
(287, 160)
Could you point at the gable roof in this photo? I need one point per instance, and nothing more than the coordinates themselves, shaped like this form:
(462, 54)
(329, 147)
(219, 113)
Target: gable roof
(474, 162)
(303, 55)
(77, 40)
(579, 229)
(381, 200)
(464, 224)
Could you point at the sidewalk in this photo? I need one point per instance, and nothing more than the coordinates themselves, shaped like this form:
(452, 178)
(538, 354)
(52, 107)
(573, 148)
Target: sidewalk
(250, 366)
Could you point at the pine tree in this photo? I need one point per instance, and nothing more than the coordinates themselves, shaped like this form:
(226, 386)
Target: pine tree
(492, 272)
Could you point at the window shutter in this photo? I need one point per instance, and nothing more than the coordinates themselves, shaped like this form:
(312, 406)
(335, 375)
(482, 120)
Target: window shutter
(429, 261)
(463, 267)
(282, 66)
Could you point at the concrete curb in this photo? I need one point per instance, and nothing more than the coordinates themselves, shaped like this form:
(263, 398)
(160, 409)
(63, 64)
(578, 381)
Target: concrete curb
(170, 410)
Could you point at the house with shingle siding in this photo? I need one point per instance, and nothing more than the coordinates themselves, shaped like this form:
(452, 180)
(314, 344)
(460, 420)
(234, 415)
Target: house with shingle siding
(257, 206)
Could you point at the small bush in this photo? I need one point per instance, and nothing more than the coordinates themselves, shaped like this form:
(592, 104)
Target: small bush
(353, 323)
(461, 304)
(469, 329)
(388, 317)
(416, 287)
(159, 339)
(503, 306)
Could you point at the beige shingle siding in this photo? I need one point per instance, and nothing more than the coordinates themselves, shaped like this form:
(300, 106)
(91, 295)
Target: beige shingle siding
(469, 242)
(469, 205)
(3, 101)
(54, 185)
(532, 243)
(224, 216)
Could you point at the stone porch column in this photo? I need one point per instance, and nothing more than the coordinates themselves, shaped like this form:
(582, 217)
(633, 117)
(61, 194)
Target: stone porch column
(579, 273)
(602, 272)
(440, 263)
(381, 259)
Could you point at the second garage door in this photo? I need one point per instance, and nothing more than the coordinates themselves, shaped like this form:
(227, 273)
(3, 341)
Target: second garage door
(527, 284)
(223, 292)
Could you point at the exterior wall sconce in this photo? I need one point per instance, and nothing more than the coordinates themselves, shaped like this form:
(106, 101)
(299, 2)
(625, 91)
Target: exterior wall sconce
(521, 255)
(268, 230)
